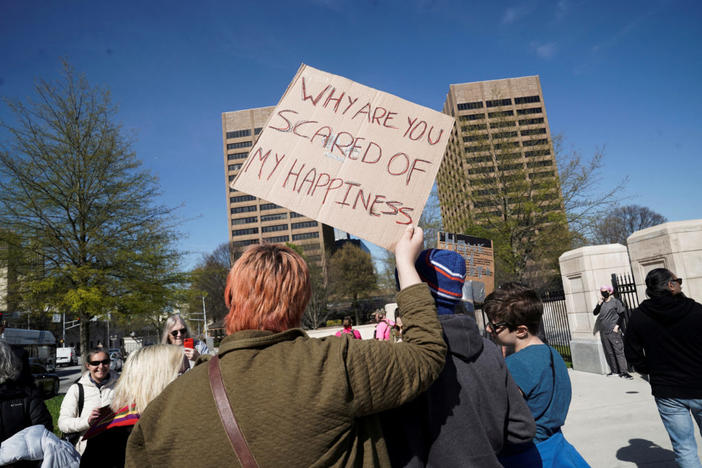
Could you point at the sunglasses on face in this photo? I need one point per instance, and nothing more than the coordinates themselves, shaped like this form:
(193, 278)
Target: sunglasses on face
(175, 333)
(104, 362)
(496, 327)
(677, 280)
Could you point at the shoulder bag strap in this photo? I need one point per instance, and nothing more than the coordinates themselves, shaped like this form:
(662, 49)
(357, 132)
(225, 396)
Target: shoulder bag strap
(226, 415)
(81, 398)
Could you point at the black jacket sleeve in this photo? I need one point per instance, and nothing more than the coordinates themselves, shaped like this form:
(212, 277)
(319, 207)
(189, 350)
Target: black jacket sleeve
(597, 309)
(634, 350)
(39, 414)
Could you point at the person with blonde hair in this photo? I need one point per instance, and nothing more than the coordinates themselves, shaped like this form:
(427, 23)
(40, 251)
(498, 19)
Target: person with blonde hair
(175, 331)
(145, 374)
(297, 400)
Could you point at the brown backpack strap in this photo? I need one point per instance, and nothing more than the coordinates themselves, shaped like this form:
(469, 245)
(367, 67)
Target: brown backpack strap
(226, 415)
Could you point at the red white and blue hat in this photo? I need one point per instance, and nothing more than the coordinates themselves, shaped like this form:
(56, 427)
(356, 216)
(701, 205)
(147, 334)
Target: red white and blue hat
(445, 272)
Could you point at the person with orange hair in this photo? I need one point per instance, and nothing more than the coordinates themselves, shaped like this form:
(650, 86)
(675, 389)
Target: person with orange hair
(297, 400)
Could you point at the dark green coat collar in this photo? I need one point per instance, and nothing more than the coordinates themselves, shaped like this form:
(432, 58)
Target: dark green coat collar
(258, 339)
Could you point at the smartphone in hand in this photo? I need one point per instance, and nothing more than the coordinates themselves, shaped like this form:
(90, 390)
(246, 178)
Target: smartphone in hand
(189, 343)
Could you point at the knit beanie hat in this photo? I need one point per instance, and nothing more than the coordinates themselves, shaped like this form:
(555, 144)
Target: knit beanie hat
(445, 272)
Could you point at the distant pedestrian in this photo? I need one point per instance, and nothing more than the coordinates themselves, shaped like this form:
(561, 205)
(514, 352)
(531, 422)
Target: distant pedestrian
(474, 410)
(514, 313)
(348, 329)
(663, 340)
(611, 317)
(383, 329)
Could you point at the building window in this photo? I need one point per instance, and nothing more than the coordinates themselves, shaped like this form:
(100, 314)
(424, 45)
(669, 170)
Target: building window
(468, 128)
(531, 110)
(277, 239)
(239, 133)
(257, 130)
(499, 102)
(541, 141)
(504, 135)
(274, 228)
(530, 154)
(304, 224)
(533, 131)
(296, 215)
(234, 156)
(241, 144)
(508, 145)
(306, 235)
(507, 123)
(310, 247)
(470, 105)
(506, 113)
(476, 149)
(274, 217)
(250, 220)
(548, 162)
(269, 206)
(479, 159)
(475, 138)
(472, 117)
(527, 99)
(243, 209)
(244, 243)
(510, 167)
(540, 175)
(508, 156)
(481, 170)
(234, 167)
(538, 120)
(244, 232)
(241, 198)
(232, 177)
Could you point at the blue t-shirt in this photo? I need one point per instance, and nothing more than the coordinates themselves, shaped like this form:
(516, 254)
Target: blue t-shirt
(546, 387)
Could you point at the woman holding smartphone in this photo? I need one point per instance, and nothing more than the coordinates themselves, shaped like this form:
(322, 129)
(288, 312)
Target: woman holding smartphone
(176, 332)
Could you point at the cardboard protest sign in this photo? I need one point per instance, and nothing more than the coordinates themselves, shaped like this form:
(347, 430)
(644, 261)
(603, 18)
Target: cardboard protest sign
(480, 261)
(347, 155)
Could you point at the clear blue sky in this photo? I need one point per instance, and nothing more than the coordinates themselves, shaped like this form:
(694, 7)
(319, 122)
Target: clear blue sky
(622, 75)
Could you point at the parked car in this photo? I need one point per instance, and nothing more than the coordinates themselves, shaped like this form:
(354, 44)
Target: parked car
(47, 382)
(116, 359)
(66, 356)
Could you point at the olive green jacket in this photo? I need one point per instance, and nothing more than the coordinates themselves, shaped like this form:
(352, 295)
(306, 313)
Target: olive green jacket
(299, 401)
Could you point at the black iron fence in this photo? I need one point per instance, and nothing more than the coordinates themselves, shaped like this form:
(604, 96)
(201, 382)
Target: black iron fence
(625, 290)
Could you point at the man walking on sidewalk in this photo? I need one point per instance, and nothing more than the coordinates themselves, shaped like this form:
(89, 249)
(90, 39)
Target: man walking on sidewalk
(663, 340)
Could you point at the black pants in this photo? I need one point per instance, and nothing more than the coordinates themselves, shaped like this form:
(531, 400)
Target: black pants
(614, 351)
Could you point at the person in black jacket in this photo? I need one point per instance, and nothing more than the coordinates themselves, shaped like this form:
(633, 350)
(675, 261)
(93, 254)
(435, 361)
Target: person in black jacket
(20, 405)
(663, 340)
(474, 410)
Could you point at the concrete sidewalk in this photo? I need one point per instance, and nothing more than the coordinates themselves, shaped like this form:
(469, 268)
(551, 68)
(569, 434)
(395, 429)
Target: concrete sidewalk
(614, 423)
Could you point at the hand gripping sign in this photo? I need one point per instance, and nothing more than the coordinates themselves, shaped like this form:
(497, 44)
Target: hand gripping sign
(347, 155)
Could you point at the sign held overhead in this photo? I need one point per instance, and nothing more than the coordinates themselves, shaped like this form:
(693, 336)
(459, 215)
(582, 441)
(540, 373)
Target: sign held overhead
(347, 155)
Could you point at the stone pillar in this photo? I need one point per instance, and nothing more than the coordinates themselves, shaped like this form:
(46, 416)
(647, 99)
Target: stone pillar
(583, 271)
(676, 246)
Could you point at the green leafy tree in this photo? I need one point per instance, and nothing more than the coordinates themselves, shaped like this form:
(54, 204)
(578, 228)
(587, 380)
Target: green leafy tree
(351, 275)
(81, 210)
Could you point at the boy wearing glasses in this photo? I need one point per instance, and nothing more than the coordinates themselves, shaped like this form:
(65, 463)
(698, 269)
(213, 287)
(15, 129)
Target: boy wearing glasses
(514, 314)
(663, 340)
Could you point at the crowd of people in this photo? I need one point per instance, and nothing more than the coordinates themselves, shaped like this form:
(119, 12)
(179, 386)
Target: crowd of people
(434, 392)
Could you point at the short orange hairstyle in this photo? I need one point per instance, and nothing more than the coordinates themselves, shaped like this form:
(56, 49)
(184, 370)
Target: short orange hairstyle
(268, 288)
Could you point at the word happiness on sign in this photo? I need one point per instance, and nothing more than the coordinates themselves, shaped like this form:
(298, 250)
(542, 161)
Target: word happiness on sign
(347, 155)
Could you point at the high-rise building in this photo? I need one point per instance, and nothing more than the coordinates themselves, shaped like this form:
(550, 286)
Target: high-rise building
(251, 219)
(500, 153)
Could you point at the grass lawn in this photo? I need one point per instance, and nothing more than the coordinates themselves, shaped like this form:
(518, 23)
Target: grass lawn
(54, 405)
